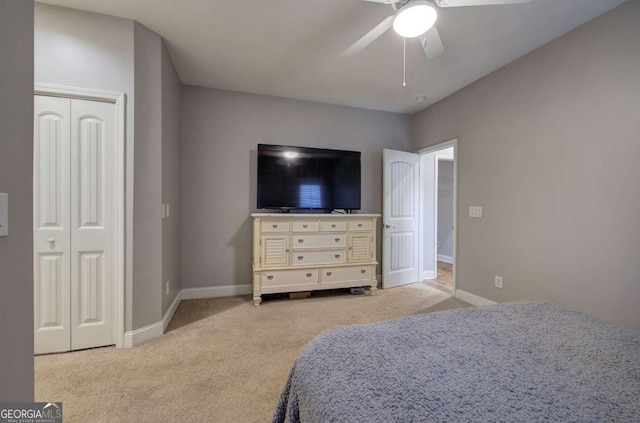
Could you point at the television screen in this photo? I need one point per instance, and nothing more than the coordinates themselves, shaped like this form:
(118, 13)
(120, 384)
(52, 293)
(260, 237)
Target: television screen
(308, 178)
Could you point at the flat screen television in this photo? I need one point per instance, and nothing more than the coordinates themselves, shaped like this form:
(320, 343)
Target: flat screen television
(302, 178)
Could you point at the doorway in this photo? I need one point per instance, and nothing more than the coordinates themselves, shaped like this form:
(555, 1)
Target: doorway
(439, 191)
(78, 220)
(410, 216)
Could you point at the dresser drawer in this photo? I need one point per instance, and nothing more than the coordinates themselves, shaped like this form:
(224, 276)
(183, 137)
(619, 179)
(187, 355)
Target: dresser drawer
(345, 274)
(318, 241)
(306, 258)
(360, 225)
(289, 277)
(328, 225)
(304, 226)
(274, 226)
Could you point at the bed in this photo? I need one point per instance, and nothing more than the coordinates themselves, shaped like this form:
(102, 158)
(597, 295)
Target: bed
(514, 362)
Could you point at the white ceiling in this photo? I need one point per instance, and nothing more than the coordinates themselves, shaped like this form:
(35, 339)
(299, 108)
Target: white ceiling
(290, 48)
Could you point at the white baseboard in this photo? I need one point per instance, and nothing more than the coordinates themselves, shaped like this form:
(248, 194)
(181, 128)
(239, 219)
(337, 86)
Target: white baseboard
(140, 336)
(171, 311)
(216, 291)
(429, 275)
(446, 259)
(472, 299)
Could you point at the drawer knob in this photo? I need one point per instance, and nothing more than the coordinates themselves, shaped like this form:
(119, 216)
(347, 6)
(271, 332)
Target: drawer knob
(359, 225)
(336, 239)
(300, 241)
(363, 271)
(270, 277)
(304, 226)
(329, 273)
(300, 257)
(333, 226)
(274, 226)
(337, 256)
(308, 275)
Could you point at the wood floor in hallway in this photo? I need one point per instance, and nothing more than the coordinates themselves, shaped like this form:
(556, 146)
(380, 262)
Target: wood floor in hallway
(444, 280)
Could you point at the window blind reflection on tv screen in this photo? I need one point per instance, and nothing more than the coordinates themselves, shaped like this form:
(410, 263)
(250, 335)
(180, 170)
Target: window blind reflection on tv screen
(308, 178)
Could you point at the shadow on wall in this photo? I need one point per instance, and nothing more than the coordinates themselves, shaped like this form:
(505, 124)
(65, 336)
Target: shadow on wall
(242, 253)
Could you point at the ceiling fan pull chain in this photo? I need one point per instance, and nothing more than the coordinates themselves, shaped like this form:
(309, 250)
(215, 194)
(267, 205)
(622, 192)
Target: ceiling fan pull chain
(404, 62)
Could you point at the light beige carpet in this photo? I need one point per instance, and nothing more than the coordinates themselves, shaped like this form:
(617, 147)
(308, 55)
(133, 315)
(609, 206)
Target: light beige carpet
(221, 360)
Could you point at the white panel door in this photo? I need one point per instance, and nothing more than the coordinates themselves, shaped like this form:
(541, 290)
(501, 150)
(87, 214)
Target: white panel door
(74, 189)
(51, 217)
(400, 262)
(92, 222)
(429, 194)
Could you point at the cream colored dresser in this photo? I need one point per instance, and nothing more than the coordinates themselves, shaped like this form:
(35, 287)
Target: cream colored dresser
(306, 252)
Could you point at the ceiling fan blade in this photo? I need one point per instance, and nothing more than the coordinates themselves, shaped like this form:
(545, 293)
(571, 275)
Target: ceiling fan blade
(460, 3)
(370, 37)
(432, 43)
(382, 1)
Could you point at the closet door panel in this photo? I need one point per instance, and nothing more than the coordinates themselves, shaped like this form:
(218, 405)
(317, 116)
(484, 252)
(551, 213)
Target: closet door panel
(93, 149)
(51, 212)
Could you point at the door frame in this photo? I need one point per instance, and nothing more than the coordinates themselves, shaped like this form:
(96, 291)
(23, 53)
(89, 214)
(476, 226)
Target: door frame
(433, 149)
(118, 99)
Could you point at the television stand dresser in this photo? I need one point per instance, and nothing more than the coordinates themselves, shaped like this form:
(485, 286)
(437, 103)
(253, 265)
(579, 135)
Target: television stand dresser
(295, 252)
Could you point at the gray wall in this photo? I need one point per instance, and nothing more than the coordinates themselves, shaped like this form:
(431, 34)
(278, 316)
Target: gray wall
(170, 179)
(147, 225)
(16, 178)
(445, 208)
(548, 145)
(220, 132)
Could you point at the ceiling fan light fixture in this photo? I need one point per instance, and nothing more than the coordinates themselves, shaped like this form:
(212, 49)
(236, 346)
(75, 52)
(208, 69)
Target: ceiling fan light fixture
(414, 19)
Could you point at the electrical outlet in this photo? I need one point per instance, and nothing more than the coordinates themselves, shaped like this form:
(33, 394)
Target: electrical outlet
(498, 282)
(166, 288)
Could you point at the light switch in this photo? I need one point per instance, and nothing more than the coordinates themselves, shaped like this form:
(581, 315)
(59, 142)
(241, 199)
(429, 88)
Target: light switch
(4, 214)
(475, 211)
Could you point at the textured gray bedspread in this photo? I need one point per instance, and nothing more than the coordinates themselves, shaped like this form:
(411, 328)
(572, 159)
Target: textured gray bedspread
(515, 362)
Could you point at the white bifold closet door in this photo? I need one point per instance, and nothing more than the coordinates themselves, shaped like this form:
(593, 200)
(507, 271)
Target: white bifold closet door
(74, 190)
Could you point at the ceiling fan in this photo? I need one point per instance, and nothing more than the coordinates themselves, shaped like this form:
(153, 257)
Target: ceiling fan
(416, 18)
